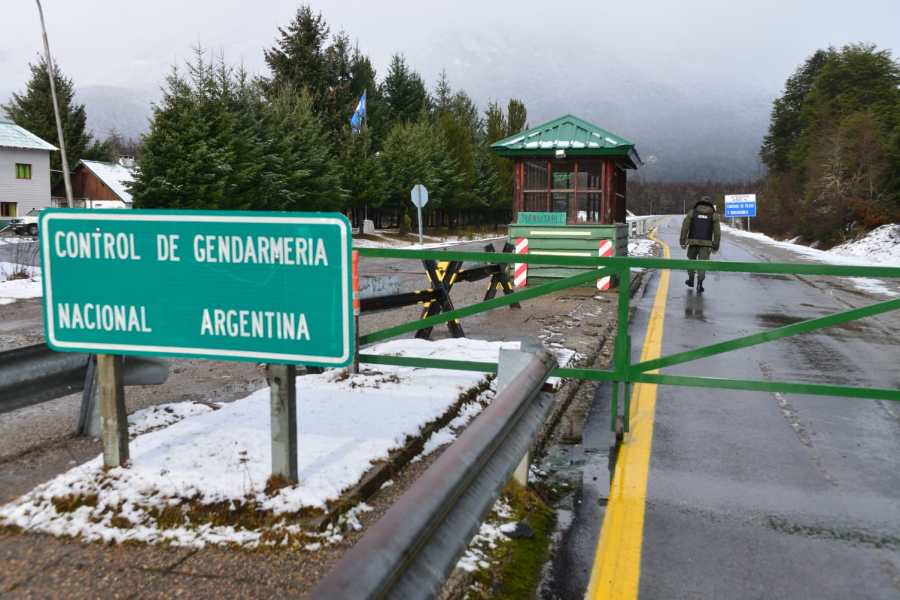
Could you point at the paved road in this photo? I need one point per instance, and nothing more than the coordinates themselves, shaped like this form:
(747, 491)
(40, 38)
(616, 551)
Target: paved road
(759, 495)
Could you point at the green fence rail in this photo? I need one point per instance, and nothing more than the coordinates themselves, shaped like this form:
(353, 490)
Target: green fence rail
(624, 372)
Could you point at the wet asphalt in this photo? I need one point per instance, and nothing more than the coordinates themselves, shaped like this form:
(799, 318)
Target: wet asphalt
(760, 495)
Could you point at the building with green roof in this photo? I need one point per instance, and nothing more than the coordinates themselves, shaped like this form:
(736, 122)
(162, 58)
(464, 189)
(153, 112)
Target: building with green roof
(24, 171)
(569, 189)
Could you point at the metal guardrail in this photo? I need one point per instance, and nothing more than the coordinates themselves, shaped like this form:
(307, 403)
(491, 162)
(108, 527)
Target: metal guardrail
(409, 552)
(642, 225)
(35, 374)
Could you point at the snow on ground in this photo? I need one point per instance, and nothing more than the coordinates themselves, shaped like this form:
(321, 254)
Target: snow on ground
(17, 289)
(879, 248)
(881, 245)
(449, 432)
(15, 240)
(642, 247)
(163, 415)
(494, 529)
(224, 456)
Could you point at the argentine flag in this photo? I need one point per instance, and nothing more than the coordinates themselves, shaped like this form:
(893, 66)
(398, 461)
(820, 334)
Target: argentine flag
(359, 114)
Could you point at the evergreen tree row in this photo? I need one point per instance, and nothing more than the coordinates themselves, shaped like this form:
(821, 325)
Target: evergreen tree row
(219, 139)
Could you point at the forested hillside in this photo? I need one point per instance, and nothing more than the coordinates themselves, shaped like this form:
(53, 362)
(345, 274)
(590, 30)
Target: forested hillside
(833, 147)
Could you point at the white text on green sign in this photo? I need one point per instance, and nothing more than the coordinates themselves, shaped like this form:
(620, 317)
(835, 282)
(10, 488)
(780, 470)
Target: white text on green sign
(265, 287)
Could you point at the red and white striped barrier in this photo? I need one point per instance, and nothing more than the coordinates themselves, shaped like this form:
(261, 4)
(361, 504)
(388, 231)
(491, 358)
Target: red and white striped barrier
(520, 270)
(605, 249)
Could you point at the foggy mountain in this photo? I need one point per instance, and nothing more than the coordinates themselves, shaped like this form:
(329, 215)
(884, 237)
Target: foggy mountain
(110, 108)
(686, 126)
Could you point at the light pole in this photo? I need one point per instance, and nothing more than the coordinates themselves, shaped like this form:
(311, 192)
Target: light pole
(59, 130)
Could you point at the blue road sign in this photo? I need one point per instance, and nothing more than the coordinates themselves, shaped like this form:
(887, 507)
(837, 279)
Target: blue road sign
(743, 205)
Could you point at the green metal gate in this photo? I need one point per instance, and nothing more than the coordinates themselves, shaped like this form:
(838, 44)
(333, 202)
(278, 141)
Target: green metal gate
(624, 372)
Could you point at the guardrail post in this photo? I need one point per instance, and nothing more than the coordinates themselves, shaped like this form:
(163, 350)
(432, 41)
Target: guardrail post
(89, 416)
(113, 416)
(509, 366)
(283, 386)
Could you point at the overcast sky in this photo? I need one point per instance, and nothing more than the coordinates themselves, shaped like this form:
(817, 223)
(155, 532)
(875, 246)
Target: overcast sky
(712, 51)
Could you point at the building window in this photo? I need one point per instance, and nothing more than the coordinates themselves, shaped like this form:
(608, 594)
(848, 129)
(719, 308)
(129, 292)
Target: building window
(23, 171)
(8, 209)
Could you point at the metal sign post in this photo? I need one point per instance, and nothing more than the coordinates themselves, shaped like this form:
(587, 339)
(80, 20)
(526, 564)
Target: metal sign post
(262, 287)
(419, 197)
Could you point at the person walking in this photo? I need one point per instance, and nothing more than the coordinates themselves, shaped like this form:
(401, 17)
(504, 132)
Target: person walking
(701, 234)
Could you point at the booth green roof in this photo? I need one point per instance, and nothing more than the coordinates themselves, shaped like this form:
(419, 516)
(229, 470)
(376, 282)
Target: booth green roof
(576, 137)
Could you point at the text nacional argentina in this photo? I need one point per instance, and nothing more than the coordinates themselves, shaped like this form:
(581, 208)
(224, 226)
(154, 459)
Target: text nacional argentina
(258, 286)
(214, 321)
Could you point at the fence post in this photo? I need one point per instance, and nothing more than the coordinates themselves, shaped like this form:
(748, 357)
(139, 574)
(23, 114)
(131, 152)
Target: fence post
(620, 358)
(354, 368)
(113, 417)
(283, 386)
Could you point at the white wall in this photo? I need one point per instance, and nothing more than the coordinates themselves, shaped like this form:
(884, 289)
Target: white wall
(26, 193)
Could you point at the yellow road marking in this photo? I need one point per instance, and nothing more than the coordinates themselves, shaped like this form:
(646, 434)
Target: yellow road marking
(617, 563)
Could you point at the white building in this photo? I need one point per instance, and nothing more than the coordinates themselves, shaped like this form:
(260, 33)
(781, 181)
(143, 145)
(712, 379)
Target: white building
(24, 171)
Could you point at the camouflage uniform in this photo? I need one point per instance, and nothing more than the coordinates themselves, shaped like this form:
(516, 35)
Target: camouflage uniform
(701, 234)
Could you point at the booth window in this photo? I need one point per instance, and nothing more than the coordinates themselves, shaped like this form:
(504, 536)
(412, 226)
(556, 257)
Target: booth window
(570, 186)
(537, 186)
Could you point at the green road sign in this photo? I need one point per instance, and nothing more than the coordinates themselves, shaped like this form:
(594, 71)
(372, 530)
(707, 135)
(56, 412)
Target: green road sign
(249, 286)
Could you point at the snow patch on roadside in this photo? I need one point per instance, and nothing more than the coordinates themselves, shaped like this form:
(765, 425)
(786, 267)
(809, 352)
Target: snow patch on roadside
(163, 415)
(878, 251)
(19, 289)
(881, 245)
(223, 457)
(491, 532)
(642, 247)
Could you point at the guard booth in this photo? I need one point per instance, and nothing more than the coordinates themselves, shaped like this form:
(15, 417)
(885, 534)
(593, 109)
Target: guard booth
(568, 193)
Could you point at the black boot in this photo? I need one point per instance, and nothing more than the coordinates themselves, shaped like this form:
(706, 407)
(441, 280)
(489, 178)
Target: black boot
(700, 287)
(690, 281)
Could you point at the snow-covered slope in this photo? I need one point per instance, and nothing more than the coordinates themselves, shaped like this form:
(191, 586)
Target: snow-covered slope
(880, 245)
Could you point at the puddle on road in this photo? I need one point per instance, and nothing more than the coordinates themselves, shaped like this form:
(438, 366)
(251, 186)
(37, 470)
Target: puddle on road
(586, 472)
(853, 329)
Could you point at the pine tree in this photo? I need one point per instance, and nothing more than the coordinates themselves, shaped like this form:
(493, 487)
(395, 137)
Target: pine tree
(404, 93)
(362, 171)
(517, 117)
(33, 110)
(298, 59)
(215, 143)
(497, 128)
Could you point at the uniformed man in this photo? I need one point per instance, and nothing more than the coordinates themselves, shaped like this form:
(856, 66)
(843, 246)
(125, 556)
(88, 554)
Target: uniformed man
(700, 234)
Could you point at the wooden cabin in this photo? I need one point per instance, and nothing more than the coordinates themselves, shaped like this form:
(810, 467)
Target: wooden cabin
(568, 189)
(98, 184)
